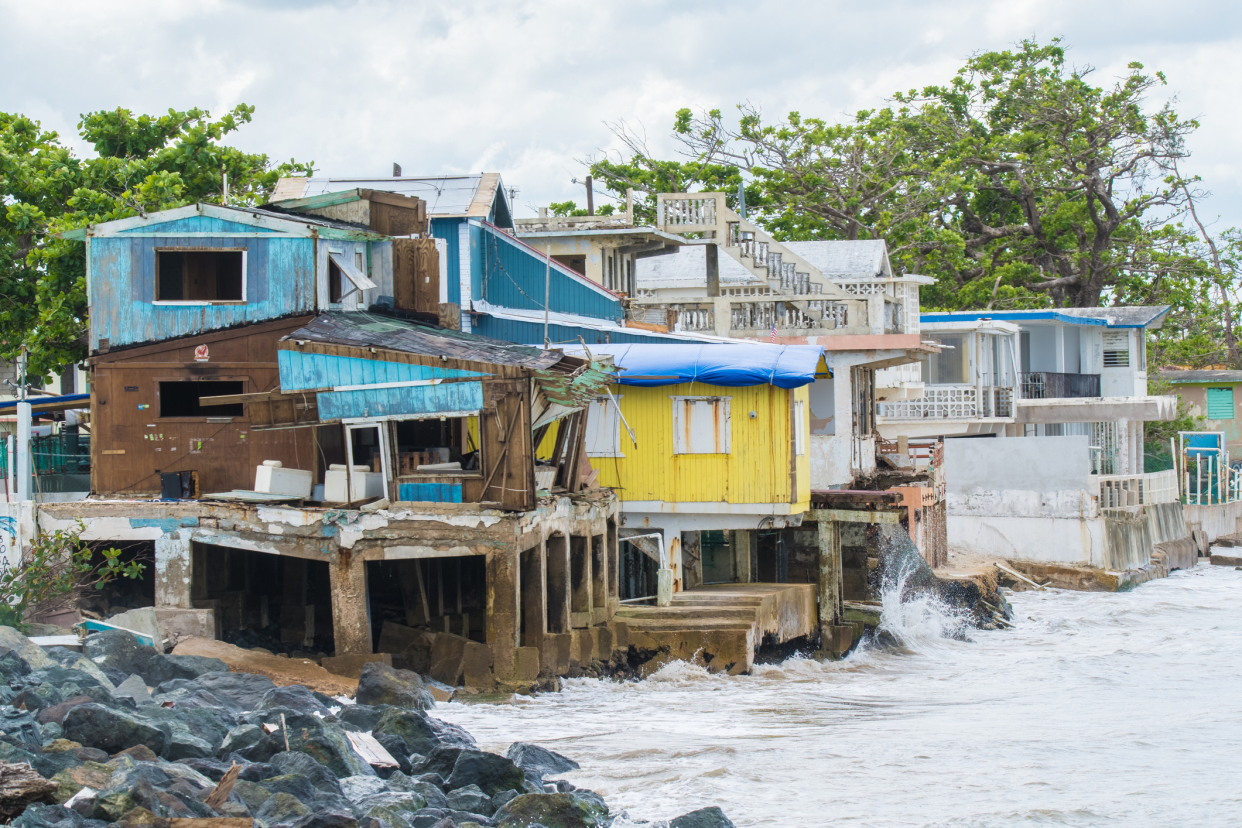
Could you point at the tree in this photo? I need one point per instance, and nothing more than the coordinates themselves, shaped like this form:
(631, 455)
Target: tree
(143, 164)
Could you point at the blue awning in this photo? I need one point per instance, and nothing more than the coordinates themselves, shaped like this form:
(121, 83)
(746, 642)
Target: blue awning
(728, 365)
(44, 404)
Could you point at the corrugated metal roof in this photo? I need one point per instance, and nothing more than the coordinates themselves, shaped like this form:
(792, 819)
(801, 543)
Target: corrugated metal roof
(370, 330)
(861, 259)
(446, 195)
(1137, 316)
(1198, 377)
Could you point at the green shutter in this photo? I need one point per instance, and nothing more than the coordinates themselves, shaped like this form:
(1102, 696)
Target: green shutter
(1220, 403)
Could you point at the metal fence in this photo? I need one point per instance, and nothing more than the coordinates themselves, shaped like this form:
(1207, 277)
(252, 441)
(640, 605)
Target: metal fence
(1050, 385)
(64, 453)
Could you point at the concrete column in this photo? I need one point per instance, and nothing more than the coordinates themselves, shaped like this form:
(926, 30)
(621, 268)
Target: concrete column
(600, 586)
(532, 586)
(173, 573)
(741, 555)
(692, 559)
(829, 582)
(558, 584)
(1124, 449)
(350, 625)
(503, 606)
(292, 602)
(580, 580)
(1058, 341)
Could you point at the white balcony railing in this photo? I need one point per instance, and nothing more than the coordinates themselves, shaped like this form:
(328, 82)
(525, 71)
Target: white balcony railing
(952, 402)
(1136, 489)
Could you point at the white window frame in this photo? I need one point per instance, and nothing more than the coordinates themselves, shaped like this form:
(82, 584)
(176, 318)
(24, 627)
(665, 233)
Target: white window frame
(200, 302)
(381, 428)
(604, 427)
(723, 425)
(1114, 335)
(799, 421)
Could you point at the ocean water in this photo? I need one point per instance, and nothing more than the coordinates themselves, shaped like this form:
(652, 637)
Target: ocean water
(1095, 710)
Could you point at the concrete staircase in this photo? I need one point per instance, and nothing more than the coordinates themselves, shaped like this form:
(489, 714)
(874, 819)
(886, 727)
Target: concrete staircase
(724, 623)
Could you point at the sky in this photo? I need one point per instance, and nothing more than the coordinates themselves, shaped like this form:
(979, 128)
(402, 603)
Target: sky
(528, 89)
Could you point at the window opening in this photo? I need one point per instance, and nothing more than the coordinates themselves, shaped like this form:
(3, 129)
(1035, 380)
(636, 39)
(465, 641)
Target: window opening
(1116, 350)
(199, 275)
(701, 425)
(603, 434)
(180, 398)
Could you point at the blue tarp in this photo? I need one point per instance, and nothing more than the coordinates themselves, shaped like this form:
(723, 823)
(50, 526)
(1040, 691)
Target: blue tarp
(731, 366)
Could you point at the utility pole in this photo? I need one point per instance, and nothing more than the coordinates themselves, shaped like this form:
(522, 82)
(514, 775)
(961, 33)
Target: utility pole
(23, 431)
(590, 197)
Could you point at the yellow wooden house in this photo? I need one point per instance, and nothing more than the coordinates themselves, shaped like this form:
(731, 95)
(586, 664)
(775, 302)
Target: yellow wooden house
(705, 437)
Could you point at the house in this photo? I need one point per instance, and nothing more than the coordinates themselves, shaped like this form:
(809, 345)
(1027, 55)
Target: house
(1213, 395)
(841, 296)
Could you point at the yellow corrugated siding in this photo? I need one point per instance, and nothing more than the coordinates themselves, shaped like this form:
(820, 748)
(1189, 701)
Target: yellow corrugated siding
(755, 471)
(802, 463)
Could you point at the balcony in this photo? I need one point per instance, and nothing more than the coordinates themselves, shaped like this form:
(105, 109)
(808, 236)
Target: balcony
(951, 402)
(1049, 385)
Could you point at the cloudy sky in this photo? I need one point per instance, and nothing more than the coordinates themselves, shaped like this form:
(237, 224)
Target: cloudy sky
(525, 88)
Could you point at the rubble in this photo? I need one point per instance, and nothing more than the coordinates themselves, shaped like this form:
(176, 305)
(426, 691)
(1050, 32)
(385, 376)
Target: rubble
(80, 751)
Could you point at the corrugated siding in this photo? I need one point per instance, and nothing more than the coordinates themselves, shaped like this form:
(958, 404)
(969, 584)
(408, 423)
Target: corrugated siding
(300, 371)
(755, 471)
(393, 402)
(513, 275)
(123, 287)
(447, 229)
(531, 333)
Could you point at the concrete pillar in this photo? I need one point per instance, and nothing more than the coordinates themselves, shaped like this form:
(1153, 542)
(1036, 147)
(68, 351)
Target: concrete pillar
(173, 573)
(350, 625)
(741, 555)
(830, 568)
(532, 588)
(600, 587)
(692, 559)
(580, 598)
(558, 584)
(503, 606)
(1124, 448)
(292, 602)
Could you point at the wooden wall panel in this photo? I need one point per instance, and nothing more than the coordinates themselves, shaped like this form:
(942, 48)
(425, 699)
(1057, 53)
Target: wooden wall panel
(416, 275)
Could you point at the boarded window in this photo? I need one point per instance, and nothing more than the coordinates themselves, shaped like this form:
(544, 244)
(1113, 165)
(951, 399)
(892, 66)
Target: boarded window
(701, 425)
(181, 399)
(1220, 403)
(799, 427)
(200, 275)
(603, 429)
(1116, 349)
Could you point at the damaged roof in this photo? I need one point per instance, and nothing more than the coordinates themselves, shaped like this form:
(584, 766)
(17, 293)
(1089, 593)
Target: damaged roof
(1137, 316)
(472, 195)
(1197, 377)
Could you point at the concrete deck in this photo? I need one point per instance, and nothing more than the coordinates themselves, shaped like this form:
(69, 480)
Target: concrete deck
(726, 622)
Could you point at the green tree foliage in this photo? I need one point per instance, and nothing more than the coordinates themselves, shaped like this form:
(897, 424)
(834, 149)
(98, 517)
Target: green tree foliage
(570, 208)
(54, 566)
(143, 163)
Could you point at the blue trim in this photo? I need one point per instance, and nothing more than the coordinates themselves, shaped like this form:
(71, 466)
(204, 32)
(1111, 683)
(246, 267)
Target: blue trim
(523, 332)
(1019, 316)
(35, 402)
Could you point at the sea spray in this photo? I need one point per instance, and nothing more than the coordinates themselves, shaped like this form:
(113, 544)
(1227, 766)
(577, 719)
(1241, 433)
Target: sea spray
(913, 617)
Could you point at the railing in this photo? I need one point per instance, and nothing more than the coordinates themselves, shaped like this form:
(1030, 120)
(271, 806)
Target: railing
(696, 319)
(63, 453)
(952, 402)
(689, 211)
(1136, 489)
(745, 316)
(1049, 385)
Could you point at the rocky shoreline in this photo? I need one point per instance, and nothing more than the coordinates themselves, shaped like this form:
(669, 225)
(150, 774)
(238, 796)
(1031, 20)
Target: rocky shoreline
(120, 735)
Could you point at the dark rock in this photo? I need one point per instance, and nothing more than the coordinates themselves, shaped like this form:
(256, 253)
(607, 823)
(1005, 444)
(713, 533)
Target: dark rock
(94, 725)
(20, 727)
(244, 689)
(472, 799)
(117, 677)
(39, 698)
(435, 778)
(213, 769)
(139, 753)
(421, 733)
(296, 785)
(326, 819)
(381, 684)
(281, 807)
(503, 798)
(492, 773)
(200, 698)
(364, 716)
(13, 666)
(323, 741)
(432, 793)
(296, 698)
(391, 806)
(56, 713)
(711, 817)
(559, 810)
(396, 748)
(252, 794)
(40, 816)
(256, 771)
(194, 733)
(539, 760)
(241, 737)
(67, 682)
(90, 754)
(117, 650)
(161, 668)
(442, 817)
(300, 764)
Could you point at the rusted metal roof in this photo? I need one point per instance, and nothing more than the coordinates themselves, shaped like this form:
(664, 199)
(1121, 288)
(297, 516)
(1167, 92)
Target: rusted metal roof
(371, 330)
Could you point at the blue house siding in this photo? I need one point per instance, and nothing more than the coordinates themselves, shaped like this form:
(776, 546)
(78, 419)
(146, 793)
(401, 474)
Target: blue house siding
(395, 402)
(123, 308)
(429, 492)
(198, 224)
(445, 228)
(300, 371)
(531, 333)
(512, 275)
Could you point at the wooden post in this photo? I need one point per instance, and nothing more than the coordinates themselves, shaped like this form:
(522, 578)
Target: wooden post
(829, 582)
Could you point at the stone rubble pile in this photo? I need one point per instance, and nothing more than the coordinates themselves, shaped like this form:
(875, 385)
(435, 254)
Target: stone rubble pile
(208, 743)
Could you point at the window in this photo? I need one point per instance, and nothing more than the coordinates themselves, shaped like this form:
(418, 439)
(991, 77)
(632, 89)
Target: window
(799, 427)
(603, 429)
(347, 277)
(200, 276)
(950, 365)
(1116, 349)
(1220, 403)
(701, 425)
(181, 399)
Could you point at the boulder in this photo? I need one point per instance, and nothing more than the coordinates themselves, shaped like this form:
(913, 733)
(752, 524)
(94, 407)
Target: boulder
(326, 819)
(12, 641)
(244, 689)
(711, 817)
(94, 725)
(240, 738)
(490, 772)
(559, 810)
(381, 684)
(539, 760)
(117, 650)
(295, 697)
(396, 808)
(72, 660)
(470, 798)
(252, 794)
(281, 807)
(20, 726)
(322, 741)
(301, 764)
(356, 788)
(421, 733)
(133, 687)
(162, 668)
(365, 717)
(433, 795)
